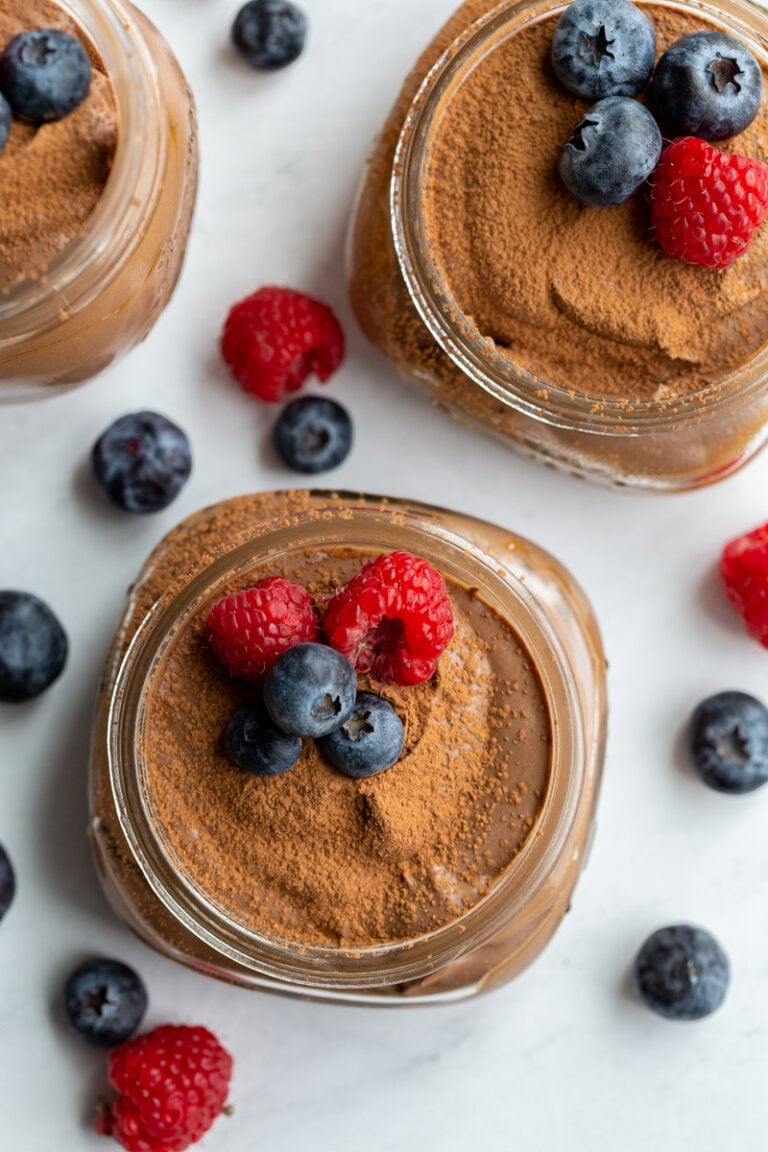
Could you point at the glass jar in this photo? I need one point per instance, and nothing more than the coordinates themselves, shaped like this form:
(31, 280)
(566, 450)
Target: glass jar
(103, 293)
(406, 308)
(506, 928)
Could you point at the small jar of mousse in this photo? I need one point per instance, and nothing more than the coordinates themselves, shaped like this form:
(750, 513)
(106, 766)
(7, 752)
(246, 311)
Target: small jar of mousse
(563, 329)
(98, 204)
(437, 879)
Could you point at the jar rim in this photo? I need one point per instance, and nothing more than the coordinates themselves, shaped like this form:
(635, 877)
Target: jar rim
(515, 387)
(77, 274)
(395, 962)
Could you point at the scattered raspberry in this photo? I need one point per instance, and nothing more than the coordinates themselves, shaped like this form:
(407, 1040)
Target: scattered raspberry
(744, 571)
(273, 340)
(707, 204)
(393, 619)
(249, 630)
(173, 1083)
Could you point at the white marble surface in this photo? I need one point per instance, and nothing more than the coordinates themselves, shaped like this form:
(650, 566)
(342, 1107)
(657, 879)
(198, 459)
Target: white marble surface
(562, 1059)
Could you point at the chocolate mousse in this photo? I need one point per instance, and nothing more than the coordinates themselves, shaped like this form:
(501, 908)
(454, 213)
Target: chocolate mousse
(562, 329)
(581, 297)
(52, 175)
(444, 875)
(317, 858)
(91, 252)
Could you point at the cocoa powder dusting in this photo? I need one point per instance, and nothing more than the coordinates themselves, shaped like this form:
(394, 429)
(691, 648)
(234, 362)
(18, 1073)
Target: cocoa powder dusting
(313, 856)
(51, 176)
(581, 297)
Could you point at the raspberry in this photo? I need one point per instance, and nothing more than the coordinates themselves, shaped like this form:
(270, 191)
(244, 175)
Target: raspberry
(173, 1083)
(393, 619)
(273, 340)
(249, 630)
(707, 204)
(744, 572)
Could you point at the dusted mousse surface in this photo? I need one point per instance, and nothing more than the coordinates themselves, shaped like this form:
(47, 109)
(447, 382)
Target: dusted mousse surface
(51, 176)
(581, 297)
(314, 857)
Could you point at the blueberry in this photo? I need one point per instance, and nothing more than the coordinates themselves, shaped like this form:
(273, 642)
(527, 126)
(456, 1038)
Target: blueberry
(142, 462)
(269, 33)
(603, 48)
(370, 741)
(707, 84)
(5, 121)
(33, 646)
(682, 973)
(253, 743)
(310, 690)
(7, 882)
(104, 1001)
(728, 742)
(312, 434)
(44, 74)
(611, 152)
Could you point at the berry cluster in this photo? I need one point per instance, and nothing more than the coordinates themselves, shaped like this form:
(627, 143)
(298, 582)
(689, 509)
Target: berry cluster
(394, 619)
(272, 341)
(707, 86)
(276, 338)
(681, 972)
(172, 1083)
(44, 75)
(311, 693)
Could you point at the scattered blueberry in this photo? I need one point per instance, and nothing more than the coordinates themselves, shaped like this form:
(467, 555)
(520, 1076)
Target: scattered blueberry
(253, 743)
(269, 33)
(44, 74)
(33, 646)
(603, 48)
(312, 434)
(370, 741)
(682, 973)
(5, 121)
(707, 84)
(611, 152)
(104, 1001)
(728, 742)
(310, 690)
(7, 882)
(142, 462)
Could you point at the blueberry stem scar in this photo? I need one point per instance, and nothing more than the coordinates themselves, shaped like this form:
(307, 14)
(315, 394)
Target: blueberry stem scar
(596, 47)
(724, 71)
(577, 140)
